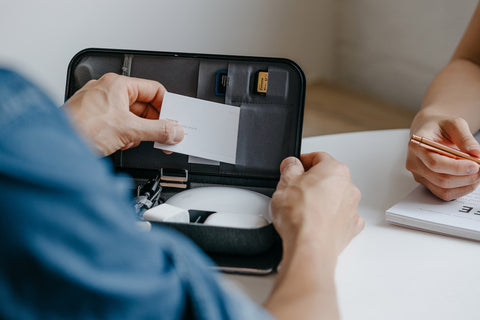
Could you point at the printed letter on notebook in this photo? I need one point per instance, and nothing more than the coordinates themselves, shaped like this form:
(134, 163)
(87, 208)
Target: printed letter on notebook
(211, 129)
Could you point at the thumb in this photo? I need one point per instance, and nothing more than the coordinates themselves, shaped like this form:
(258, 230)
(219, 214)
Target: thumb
(162, 131)
(290, 168)
(460, 134)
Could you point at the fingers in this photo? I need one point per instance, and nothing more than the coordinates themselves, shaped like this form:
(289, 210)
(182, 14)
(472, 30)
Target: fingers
(310, 160)
(459, 133)
(446, 194)
(162, 131)
(146, 91)
(443, 180)
(316, 161)
(322, 164)
(351, 223)
(320, 203)
(445, 177)
(359, 225)
(440, 164)
(136, 93)
(146, 97)
(145, 110)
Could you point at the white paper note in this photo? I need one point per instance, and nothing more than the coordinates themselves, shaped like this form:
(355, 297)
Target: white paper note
(211, 129)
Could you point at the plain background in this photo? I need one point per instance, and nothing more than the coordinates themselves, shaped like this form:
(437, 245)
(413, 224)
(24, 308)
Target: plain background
(387, 48)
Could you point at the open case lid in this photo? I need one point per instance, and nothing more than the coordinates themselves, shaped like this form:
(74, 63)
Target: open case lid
(271, 116)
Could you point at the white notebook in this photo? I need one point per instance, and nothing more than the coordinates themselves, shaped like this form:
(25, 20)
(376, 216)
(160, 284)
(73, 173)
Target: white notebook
(422, 210)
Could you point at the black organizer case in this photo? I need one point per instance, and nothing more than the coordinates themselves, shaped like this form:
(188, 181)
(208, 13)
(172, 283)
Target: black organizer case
(270, 129)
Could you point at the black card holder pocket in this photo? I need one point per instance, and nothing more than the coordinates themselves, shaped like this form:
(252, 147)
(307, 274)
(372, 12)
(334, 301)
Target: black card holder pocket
(278, 84)
(177, 74)
(264, 136)
(240, 85)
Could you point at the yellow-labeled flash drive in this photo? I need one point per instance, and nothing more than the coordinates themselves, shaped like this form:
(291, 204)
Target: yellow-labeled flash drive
(262, 82)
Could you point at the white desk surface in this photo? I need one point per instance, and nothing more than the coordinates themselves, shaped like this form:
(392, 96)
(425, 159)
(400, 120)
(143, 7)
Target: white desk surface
(390, 272)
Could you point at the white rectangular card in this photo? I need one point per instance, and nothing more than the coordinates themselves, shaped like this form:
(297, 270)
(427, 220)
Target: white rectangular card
(211, 129)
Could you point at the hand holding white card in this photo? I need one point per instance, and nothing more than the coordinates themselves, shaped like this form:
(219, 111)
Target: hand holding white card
(211, 129)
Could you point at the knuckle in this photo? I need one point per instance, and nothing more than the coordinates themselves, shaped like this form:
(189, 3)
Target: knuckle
(111, 79)
(411, 162)
(274, 203)
(457, 122)
(409, 166)
(168, 132)
(342, 169)
(109, 76)
(446, 194)
(432, 164)
(290, 197)
(359, 222)
(337, 168)
(418, 178)
(282, 184)
(467, 189)
(321, 156)
(459, 166)
(453, 122)
(295, 191)
(356, 194)
(285, 201)
(441, 181)
(91, 82)
(465, 139)
(451, 193)
(470, 188)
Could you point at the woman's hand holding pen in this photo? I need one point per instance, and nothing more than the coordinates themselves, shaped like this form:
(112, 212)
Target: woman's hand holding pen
(444, 176)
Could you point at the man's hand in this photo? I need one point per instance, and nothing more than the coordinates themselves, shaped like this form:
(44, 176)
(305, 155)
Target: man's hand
(445, 177)
(314, 209)
(315, 202)
(118, 112)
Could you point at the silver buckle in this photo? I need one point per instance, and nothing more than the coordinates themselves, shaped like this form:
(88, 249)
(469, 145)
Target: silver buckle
(127, 64)
(174, 178)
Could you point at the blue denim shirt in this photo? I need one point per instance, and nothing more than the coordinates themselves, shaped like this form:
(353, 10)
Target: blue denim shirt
(69, 245)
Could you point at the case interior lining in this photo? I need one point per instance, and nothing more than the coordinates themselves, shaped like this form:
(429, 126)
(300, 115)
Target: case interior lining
(267, 132)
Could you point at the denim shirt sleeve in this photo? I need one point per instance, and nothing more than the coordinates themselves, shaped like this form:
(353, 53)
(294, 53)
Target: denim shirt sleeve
(69, 246)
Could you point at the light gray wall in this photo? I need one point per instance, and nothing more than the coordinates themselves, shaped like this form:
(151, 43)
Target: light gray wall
(393, 48)
(40, 37)
(387, 48)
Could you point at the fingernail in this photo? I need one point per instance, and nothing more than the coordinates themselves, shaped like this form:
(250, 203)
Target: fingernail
(179, 133)
(473, 150)
(287, 163)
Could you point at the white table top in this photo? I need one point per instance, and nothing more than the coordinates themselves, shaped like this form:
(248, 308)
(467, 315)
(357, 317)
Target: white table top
(390, 272)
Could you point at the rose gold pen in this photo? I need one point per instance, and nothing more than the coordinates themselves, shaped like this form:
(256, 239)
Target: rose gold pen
(442, 149)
